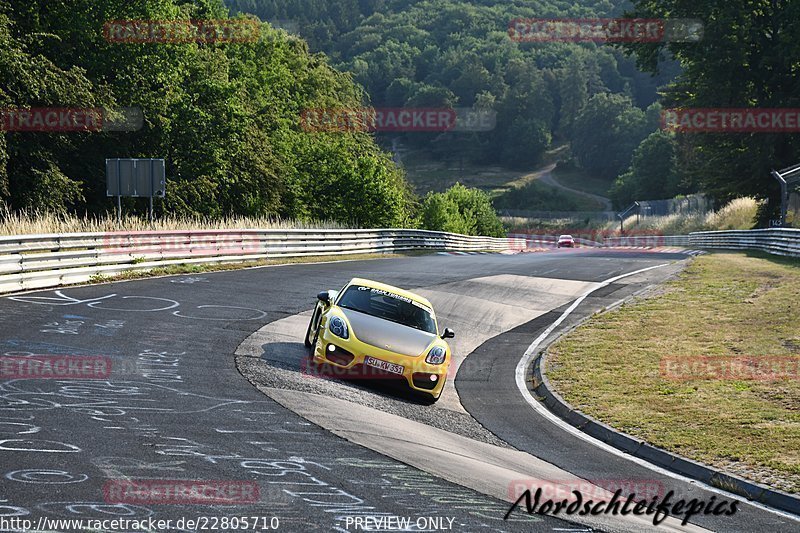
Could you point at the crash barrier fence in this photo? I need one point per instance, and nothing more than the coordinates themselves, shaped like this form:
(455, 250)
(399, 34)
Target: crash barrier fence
(602, 239)
(43, 261)
(534, 241)
(778, 241)
(647, 240)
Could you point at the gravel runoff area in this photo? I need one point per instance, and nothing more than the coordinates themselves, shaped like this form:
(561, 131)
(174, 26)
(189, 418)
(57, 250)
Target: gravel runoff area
(479, 308)
(267, 374)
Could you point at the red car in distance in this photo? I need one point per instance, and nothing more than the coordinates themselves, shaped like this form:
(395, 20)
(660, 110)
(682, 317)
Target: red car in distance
(566, 241)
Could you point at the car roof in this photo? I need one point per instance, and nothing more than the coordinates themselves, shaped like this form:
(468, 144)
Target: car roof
(565, 236)
(391, 288)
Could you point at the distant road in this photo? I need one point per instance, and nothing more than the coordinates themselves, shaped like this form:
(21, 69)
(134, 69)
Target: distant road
(545, 176)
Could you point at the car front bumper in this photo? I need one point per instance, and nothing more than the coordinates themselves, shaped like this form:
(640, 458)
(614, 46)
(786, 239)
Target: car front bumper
(348, 361)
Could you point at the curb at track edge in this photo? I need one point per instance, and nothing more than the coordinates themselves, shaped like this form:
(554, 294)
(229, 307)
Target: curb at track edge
(542, 396)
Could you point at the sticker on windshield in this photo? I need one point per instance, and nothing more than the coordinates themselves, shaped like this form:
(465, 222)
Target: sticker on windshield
(406, 299)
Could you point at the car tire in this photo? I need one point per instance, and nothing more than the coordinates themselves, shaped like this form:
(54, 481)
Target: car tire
(429, 399)
(313, 325)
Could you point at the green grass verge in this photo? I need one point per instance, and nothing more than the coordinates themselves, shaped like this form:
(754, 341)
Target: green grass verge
(726, 304)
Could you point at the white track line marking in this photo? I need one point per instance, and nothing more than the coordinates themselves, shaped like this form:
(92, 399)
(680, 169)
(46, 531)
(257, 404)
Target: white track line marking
(524, 363)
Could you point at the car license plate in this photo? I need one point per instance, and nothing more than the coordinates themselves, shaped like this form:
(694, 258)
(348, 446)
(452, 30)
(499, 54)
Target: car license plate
(386, 366)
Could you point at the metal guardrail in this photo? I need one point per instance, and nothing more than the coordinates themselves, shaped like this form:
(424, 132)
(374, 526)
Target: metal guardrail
(648, 241)
(676, 240)
(600, 239)
(778, 241)
(533, 240)
(43, 261)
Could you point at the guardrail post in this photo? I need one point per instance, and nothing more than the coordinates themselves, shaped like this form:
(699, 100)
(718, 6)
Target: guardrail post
(786, 176)
(621, 216)
(784, 195)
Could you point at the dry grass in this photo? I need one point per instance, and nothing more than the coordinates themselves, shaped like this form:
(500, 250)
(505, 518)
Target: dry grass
(731, 304)
(737, 214)
(25, 223)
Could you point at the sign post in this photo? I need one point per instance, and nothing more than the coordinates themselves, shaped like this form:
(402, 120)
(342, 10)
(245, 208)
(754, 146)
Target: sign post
(136, 178)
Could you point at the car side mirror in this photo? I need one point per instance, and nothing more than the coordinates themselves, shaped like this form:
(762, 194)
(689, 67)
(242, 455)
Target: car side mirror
(448, 333)
(324, 296)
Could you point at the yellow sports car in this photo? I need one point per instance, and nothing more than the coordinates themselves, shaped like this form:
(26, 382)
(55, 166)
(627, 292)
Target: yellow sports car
(372, 330)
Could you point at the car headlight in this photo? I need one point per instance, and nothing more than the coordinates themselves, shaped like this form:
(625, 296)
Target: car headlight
(338, 327)
(436, 356)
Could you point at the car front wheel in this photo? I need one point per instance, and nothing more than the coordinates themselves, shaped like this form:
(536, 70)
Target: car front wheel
(313, 328)
(430, 399)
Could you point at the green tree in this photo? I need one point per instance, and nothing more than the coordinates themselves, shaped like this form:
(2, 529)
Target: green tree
(653, 173)
(748, 57)
(464, 48)
(524, 117)
(34, 167)
(606, 132)
(573, 93)
(225, 116)
(461, 210)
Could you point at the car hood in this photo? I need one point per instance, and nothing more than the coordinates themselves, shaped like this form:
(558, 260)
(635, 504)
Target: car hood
(388, 335)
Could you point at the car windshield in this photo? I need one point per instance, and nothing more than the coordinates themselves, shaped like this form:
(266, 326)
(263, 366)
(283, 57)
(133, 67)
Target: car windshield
(389, 306)
(565, 237)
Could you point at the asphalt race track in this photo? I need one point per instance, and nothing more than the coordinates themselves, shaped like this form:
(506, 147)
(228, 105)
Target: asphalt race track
(207, 384)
